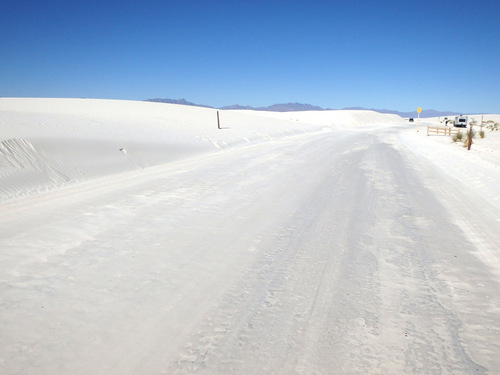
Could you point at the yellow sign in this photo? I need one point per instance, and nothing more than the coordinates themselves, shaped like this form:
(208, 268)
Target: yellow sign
(419, 109)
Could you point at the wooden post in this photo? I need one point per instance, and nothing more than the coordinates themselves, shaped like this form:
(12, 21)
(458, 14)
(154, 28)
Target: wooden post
(218, 122)
(469, 139)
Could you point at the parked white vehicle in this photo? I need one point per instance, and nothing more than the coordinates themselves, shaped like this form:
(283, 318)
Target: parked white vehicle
(461, 121)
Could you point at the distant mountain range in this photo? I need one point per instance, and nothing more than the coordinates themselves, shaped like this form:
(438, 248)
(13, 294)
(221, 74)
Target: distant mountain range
(290, 107)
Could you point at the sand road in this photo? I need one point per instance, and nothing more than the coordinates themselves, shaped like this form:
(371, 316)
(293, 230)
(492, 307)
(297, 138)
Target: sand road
(316, 254)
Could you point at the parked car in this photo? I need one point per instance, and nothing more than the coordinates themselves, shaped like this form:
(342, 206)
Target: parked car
(410, 120)
(460, 121)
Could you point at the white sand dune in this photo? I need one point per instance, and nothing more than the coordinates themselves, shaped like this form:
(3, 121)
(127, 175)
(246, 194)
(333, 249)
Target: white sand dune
(49, 143)
(138, 238)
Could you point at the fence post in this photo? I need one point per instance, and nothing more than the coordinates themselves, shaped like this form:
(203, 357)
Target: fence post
(218, 122)
(469, 138)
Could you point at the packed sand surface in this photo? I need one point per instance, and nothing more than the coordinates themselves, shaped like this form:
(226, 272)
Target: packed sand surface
(138, 238)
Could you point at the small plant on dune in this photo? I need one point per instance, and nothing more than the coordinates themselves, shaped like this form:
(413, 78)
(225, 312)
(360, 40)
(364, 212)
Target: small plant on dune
(481, 133)
(457, 137)
(492, 125)
(472, 134)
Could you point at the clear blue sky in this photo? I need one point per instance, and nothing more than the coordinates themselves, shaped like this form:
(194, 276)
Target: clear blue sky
(401, 54)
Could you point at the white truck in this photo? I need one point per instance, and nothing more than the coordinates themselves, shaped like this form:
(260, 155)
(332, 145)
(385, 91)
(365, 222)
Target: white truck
(460, 121)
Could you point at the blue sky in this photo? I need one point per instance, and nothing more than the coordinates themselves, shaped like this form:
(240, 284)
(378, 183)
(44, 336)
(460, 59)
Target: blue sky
(399, 54)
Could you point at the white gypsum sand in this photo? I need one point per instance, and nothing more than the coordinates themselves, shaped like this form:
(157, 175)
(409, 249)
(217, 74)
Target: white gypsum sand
(138, 238)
